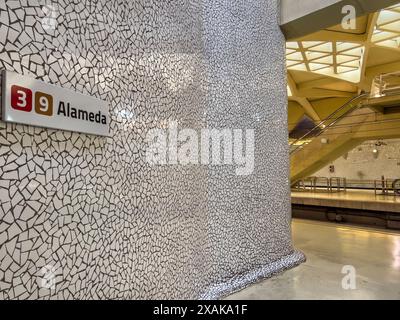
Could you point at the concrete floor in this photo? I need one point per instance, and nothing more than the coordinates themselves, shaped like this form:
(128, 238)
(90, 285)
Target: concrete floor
(375, 255)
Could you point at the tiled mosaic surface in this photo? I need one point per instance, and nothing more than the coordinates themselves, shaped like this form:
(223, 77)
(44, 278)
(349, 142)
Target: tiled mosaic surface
(110, 225)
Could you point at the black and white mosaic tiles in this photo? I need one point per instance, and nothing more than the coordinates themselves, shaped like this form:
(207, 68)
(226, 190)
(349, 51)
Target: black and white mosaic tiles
(86, 217)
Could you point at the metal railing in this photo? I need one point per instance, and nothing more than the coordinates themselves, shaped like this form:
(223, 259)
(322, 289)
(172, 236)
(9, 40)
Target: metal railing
(387, 186)
(321, 184)
(340, 184)
(386, 85)
(328, 122)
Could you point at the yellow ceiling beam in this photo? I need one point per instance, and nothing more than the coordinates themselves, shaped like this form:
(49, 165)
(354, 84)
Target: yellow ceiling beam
(319, 83)
(327, 35)
(323, 93)
(383, 68)
(295, 113)
(376, 45)
(307, 106)
(368, 44)
(324, 107)
(309, 109)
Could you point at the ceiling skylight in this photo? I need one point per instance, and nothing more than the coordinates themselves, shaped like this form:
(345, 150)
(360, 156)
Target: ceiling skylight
(387, 29)
(341, 60)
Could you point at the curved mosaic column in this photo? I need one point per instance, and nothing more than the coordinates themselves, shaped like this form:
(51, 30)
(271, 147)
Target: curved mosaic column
(88, 217)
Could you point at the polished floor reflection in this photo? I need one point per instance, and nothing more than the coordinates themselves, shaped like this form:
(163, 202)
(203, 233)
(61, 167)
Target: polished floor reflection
(375, 255)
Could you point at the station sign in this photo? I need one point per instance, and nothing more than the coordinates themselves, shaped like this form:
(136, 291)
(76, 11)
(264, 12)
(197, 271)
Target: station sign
(33, 102)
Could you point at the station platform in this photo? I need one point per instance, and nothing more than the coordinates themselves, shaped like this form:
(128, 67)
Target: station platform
(361, 207)
(351, 199)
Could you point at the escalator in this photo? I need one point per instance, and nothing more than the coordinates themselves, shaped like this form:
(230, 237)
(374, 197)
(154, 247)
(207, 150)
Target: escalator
(356, 121)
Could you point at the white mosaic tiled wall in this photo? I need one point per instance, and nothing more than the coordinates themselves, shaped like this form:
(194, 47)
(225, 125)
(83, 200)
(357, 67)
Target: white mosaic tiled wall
(369, 161)
(86, 217)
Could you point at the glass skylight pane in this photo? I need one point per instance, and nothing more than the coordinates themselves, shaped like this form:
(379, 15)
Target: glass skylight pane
(328, 71)
(315, 55)
(308, 44)
(340, 58)
(345, 69)
(342, 46)
(352, 76)
(355, 63)
(316, 66)
(393, 43)
(290, 63)
(295, 56)
(299, 67)
(393, 27)
(326, 47)
(292, 45)
(382, 35)
(355, 52)
(326, 60)
(386, 16)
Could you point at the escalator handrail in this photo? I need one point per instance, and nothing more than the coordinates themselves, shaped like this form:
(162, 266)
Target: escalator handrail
(318, 126)
(357, 106)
